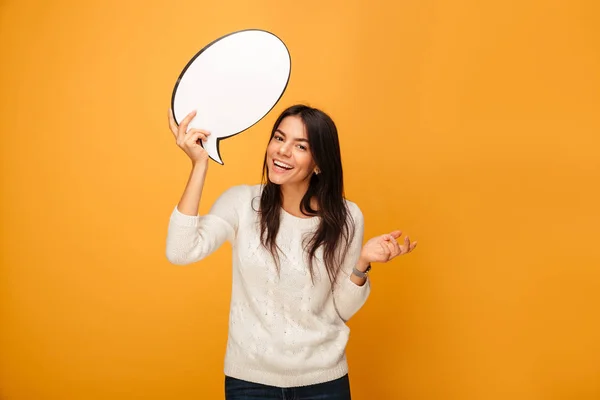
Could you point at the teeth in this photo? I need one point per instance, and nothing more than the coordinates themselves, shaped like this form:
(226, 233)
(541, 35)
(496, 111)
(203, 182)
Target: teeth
(282, 165)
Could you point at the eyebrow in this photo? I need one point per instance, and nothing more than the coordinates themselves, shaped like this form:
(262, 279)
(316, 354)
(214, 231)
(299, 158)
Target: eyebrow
(297, 140)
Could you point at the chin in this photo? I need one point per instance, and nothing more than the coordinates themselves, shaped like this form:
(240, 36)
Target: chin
(273, 178)
(278, 180)
(274, 181)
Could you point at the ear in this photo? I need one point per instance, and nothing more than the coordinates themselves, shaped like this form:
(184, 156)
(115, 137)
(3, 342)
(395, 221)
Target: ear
(317, 171)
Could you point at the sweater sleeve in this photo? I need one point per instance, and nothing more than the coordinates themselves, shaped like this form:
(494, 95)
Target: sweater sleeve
(192, 238)
(348, 296)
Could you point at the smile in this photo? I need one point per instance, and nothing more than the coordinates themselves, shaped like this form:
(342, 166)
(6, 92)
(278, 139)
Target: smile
(282, 165)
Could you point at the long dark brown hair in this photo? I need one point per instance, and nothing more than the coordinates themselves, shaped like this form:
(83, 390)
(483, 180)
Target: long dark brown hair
(335, 229)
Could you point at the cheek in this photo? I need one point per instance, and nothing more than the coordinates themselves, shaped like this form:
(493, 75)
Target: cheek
(305, 158)
(271, 148)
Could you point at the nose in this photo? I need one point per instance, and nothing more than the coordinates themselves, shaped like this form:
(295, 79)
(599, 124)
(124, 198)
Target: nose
(284, 149)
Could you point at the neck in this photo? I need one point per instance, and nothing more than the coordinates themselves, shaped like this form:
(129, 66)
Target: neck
(291, 198)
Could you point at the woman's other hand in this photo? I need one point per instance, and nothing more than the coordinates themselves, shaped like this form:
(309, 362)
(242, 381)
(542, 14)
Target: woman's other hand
(384, 248)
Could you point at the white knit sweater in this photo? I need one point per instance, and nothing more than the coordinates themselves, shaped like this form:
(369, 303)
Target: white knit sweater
(284, 330)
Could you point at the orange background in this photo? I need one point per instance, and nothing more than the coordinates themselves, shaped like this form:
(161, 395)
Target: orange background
(471, 125)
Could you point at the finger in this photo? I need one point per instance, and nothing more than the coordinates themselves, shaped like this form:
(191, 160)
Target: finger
(406, 247)
(183, 126)
(204, 133)
(192, 139)
(172, 123)
(199, 135)
(397, 249)
(412, 246)
(396, 234)
(386, 251)
(394, 249)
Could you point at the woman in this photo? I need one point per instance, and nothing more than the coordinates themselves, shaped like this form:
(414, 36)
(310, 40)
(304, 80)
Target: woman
(299, 267)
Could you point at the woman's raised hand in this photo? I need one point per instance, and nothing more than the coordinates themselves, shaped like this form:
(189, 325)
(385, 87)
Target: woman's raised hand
(189, 140)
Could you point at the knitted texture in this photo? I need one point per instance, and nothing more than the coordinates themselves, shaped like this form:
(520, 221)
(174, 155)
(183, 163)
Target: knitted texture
(284, 329)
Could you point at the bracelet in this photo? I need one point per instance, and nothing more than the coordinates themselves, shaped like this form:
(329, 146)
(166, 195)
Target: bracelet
(361, 274)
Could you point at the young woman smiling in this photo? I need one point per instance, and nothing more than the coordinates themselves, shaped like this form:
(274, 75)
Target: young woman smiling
(299, 264)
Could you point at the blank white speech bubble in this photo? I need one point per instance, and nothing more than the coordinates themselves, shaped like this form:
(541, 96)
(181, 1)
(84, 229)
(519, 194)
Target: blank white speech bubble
(232, 83)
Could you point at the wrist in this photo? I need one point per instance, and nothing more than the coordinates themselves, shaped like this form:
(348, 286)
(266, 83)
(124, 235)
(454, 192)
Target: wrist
(200, 164)
(362, 275)
(362, 264)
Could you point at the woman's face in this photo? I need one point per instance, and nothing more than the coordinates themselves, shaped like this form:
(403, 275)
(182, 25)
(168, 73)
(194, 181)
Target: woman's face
(289, 158)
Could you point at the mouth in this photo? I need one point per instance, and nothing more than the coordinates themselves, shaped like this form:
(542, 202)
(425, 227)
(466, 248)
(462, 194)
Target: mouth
(281, 166)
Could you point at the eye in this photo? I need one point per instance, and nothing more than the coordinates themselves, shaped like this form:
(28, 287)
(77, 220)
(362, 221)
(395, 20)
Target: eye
(278, 138)
(301, 147)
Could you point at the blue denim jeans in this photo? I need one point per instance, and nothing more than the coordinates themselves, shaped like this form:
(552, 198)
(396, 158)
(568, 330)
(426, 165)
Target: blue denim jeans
(236, 389)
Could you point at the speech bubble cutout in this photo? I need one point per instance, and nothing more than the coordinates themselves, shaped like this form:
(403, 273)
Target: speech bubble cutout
(232, 83)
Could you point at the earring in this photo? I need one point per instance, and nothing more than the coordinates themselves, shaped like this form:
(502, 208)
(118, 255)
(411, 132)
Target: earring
(317, 171)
